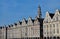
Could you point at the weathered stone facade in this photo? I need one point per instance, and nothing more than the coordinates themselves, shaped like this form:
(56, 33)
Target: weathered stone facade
(51, 25)
(25, 29)
(38, 28)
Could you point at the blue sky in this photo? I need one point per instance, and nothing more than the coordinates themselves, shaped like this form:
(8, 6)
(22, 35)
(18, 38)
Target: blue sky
(14, 10)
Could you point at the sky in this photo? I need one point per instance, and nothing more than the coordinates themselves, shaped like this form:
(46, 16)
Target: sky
(12, 11)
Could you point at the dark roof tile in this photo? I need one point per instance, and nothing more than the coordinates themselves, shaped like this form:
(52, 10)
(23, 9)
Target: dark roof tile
(51, 15)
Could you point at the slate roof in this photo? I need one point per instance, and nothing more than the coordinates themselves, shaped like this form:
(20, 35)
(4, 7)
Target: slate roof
(51, 15)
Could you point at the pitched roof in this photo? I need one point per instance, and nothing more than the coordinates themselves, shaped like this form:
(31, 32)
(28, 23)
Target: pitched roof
(51, 15)
(33, 20)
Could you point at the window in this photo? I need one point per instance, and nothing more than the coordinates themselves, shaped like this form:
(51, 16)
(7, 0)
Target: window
(54, 28)
(44, 32)
(47, 21)
(57, 30)
(56, 18)
(50, 26)
(54, 25)
(50, 29)
(47, 33)
(25, 34)
(32, 30)
(44, 26)
(54, 31)
(47, 26)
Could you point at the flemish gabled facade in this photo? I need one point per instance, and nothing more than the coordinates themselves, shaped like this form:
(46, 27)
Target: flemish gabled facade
(2, 32)
(51, 25)
(38, 28)
(25, 29)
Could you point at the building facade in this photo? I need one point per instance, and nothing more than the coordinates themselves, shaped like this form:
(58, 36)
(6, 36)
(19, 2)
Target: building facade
(25, 29)
(38, 28)
(51, 25)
